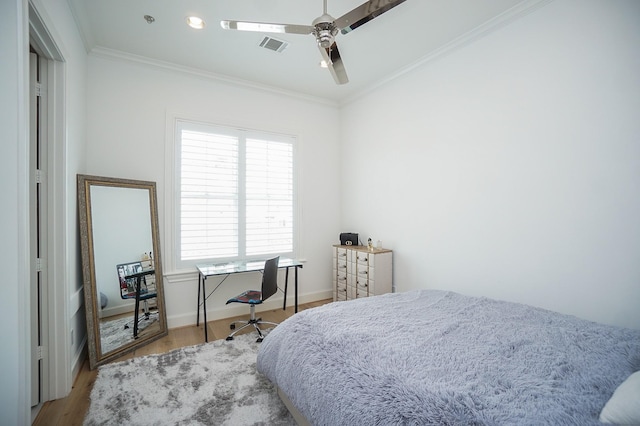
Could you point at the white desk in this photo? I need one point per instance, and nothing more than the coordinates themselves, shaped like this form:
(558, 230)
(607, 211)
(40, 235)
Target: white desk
(226, 269)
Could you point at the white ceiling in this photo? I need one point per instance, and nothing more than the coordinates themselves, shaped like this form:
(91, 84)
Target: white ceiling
(408, 34)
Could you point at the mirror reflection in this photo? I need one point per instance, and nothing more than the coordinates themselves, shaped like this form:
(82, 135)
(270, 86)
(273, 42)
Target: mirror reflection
(123, 281)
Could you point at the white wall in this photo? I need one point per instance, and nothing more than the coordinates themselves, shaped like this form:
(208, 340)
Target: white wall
(510, 168)
(130, 105)
(14, 392)
(14, 45)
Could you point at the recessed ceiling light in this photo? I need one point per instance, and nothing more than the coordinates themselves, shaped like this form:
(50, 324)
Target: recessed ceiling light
(195, 22)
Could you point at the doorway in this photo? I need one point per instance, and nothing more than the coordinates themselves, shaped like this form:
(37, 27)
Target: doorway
(38, 214)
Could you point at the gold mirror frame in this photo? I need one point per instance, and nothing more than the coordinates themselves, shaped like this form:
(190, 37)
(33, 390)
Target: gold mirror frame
(91, 295)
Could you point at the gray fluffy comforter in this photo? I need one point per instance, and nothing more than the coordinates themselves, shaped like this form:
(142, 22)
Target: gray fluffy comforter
(433, 357)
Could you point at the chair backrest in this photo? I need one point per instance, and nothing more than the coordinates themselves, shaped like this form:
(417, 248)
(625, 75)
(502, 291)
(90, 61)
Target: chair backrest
(270, 278)
(128, 285)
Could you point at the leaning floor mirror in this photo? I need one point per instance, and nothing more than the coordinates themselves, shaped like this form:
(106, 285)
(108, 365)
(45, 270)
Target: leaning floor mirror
(121, 265)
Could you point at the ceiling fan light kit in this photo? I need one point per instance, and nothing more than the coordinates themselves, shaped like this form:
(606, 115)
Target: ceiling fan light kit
(324, 29)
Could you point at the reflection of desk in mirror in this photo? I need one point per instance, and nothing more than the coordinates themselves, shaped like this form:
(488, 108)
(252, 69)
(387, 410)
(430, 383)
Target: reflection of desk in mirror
(139, 294)
(227, 269)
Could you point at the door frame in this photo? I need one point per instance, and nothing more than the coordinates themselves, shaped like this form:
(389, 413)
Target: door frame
(58, 379)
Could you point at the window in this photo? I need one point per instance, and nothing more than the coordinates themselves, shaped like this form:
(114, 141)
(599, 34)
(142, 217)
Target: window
(236, 194)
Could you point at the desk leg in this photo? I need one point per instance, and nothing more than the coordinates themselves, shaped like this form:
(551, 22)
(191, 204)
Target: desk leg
(137, 311)
(296, 288)
(200, 278)
(204, 312)
(286, 284)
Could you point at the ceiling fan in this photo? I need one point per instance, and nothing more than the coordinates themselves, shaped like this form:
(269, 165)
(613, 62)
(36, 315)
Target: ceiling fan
(324, 29)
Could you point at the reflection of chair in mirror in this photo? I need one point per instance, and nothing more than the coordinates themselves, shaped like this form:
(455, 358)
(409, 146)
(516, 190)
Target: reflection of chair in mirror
(139, 284)
(256, 297)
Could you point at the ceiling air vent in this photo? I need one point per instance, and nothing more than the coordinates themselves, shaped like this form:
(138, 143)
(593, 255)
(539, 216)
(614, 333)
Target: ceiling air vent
(273, 44)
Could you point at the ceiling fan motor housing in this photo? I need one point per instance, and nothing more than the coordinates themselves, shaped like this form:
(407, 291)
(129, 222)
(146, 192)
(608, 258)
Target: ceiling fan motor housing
(325, 30)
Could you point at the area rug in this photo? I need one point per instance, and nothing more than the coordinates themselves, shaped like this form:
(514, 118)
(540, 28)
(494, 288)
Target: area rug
(113, 335)
(215, 383)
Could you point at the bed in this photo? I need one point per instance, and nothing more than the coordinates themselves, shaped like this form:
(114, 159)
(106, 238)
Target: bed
(436, 357)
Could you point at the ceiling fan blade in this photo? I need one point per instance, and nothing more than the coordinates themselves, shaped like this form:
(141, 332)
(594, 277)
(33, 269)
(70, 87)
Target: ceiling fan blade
(331, 56)
(266, 27)
(364, 13)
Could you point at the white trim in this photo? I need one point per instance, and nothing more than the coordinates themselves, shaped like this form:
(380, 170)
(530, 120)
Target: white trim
(39, 33)
(516, 12)
(79, 357)
(59, 296)
(22, 199)
(76, 301)
(168, 236)
(102, 52)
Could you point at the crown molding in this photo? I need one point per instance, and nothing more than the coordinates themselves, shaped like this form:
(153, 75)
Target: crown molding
(513, 14)
(111, 54)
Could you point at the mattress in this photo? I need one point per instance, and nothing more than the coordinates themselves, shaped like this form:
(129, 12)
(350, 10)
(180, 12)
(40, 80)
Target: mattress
(436, 357)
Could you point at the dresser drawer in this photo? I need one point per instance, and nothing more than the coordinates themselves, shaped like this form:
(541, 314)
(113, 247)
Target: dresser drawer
(363, 272)
(372, 288)
(362, 257)
(355, 292)
(351, 279)
(340, 253)
(363, 287)
(340, 295)
(341, 286)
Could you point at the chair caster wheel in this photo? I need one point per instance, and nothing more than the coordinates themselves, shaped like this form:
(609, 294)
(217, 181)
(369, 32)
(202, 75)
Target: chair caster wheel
(259, 340)
(229, 337)
(232, 327)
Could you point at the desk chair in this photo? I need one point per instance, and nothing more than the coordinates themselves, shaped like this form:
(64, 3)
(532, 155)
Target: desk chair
(128, 290)
(256, 297)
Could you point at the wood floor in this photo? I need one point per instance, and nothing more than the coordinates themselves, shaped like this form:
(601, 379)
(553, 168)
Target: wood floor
(70, 411)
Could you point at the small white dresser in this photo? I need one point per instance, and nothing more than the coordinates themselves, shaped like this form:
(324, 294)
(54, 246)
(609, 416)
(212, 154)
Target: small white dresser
(360, 272)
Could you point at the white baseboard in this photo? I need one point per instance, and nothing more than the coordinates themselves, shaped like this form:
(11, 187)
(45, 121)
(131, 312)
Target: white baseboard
(182, 320)
(78, 359)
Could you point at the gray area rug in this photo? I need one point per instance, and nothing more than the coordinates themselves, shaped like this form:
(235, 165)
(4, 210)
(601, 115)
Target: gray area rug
(215, 383)
(113, 335)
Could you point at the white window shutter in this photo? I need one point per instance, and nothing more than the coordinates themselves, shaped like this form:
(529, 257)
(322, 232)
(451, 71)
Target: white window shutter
(269, 197)
(236, 194)
(209, 196)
